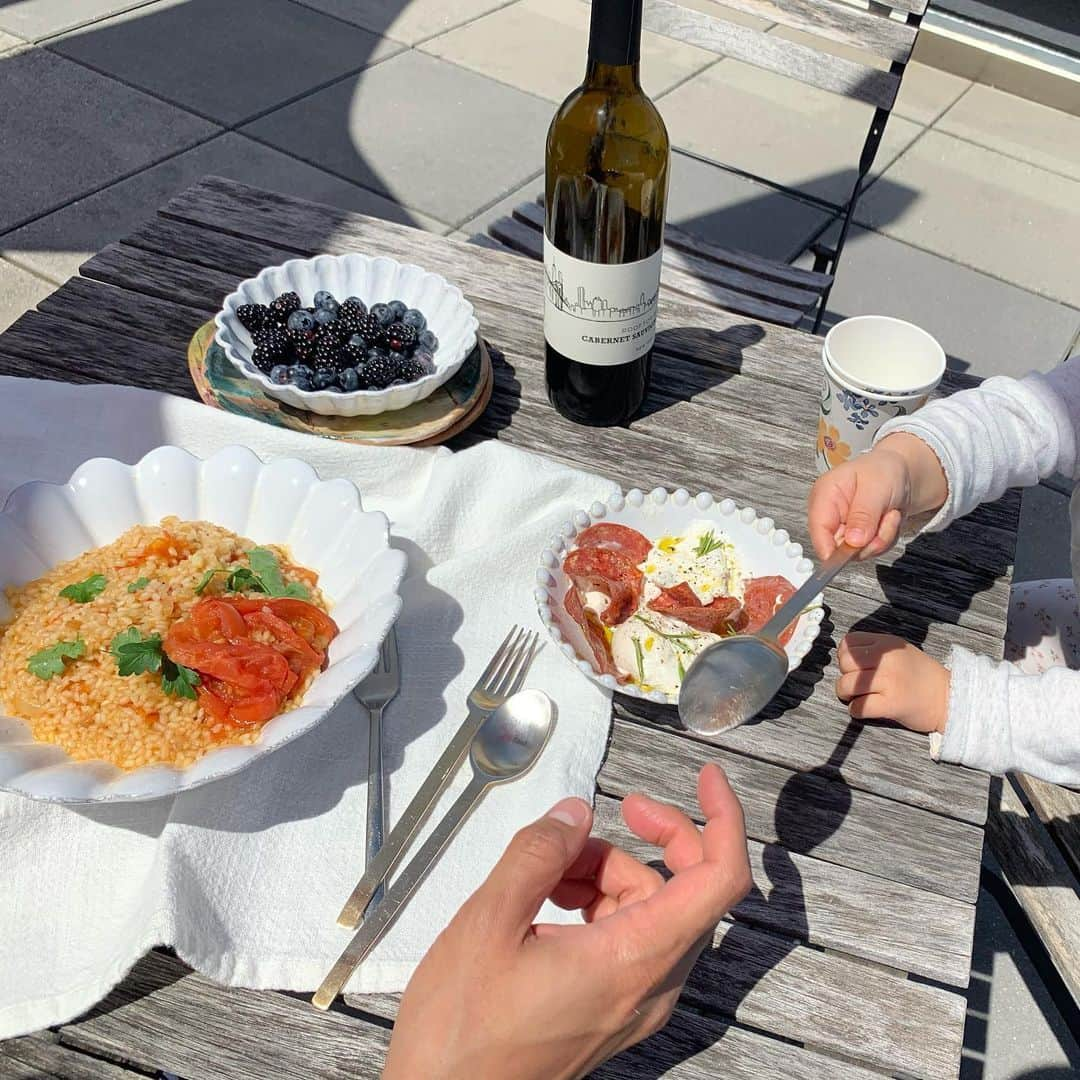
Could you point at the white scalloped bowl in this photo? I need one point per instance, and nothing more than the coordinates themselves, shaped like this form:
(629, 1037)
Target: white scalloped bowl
(763, 549)
(323, 524)
(375, 280)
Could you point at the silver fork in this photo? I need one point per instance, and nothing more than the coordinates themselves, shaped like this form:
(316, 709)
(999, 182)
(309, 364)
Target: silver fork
(375, 693)
(501, 678)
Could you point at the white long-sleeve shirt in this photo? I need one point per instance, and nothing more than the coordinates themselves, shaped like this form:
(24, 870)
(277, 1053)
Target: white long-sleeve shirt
(1007, 433)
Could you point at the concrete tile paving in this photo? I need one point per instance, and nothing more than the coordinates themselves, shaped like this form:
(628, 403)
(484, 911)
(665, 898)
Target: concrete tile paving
(19, 291)
(1022, 129)
(36, 19)
(451, 142)
(55, 246)
(986, 326)
(778, 128)
(228, 61)
(539, 46)
(409, 21)
(991, 212)
(68, 131)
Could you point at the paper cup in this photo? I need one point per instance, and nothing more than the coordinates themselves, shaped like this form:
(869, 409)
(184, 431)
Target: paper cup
(874, 368)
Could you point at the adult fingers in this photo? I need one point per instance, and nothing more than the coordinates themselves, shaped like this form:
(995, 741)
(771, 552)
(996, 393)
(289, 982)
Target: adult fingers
(530, 869)
(665, 826)
(610, 873)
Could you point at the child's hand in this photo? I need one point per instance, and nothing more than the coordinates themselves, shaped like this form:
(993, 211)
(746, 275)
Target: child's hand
(865, 501)
(883, 677)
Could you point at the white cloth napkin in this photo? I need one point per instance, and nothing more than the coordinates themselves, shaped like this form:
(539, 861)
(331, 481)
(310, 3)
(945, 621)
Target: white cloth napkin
(245, 877)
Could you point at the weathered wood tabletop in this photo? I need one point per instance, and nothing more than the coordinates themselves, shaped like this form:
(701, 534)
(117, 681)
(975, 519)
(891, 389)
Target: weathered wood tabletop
(849, 957)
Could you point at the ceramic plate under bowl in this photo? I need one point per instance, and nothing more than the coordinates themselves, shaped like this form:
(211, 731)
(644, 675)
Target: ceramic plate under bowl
(321, 522)
(763, 549)
(375, 280)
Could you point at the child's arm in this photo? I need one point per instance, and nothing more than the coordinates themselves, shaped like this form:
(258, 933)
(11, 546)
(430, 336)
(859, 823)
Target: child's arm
(982, 714)
(950, 456)
(1005, 433)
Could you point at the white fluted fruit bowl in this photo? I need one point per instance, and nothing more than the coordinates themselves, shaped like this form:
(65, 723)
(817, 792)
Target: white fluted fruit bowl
(321, 522)
(374, 279)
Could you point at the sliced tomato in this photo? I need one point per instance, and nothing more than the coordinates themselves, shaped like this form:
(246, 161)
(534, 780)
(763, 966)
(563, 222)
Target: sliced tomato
(312, 623)
(287, 640)
(213, 619)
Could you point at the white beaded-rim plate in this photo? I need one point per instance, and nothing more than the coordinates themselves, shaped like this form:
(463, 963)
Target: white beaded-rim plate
(375, 279)
(321, 522)
(763, 549)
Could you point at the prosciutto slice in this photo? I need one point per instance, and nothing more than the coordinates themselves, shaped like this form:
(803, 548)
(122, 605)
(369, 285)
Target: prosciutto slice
(611, 537)
(595, 637)
(681, 602)
(603, 570)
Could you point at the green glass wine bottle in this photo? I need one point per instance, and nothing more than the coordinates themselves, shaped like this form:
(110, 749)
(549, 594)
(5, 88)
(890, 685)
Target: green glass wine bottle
(605, 190)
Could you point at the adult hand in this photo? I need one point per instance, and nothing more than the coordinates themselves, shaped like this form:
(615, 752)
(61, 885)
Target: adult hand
(884, 677)
(865, 501)
(500, 996)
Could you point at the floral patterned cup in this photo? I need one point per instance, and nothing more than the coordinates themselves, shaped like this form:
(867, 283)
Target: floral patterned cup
(874, 368)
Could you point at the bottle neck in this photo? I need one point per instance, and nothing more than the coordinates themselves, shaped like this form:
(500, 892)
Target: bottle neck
(614, 44)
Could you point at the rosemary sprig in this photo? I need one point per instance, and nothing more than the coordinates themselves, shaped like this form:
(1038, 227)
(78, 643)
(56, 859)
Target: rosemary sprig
(640, 660)
(678, 641)
(707, 543)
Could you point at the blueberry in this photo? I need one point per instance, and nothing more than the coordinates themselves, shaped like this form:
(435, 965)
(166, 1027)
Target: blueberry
(279, 374)
(348, 380)
(357, 342)
(300, 321)
(382, 314)
(322, 378)
(324, 299)
(300, 371)
(427, 340)
(303, 384)
(415, 319)
(324, 315)
(397, 309)
(423, 357)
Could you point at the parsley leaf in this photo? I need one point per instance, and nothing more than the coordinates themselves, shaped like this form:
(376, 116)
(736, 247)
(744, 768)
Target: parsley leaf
(135, 653)
(207, 578)
(707, 544)
(138, 583)
(263, 574)
(265, 565)
(177, 679)
(82, 592)
(49, 662)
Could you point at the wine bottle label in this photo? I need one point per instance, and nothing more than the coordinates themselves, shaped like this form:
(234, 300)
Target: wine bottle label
(599, 313)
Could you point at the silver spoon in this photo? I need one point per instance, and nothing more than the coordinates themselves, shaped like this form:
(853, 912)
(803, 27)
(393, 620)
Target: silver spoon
(504, 748)
(735, 678)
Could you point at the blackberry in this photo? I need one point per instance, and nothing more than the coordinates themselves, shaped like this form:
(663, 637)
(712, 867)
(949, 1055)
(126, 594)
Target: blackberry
(378, 373)
(350, 313)
(262, 360)
(304, 349)
(326, 354)
(400, 337)
(354, 354)
(273, 341)
(369, 328)
(284, 306)
(252, 316)
(425, 360)
(411, 369)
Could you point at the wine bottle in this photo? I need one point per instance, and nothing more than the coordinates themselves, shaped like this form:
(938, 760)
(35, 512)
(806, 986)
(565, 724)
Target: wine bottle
(605, 188)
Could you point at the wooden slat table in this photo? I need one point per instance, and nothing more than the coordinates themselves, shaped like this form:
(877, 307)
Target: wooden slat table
(849, 957)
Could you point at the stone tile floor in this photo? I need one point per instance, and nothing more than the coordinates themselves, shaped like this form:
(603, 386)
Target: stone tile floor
(433, 112)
